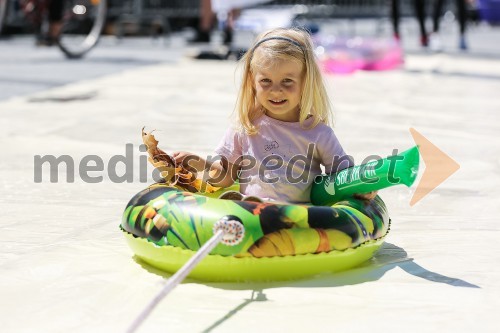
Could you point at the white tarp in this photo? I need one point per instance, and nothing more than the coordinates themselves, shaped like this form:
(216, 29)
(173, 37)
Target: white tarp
(65, 266)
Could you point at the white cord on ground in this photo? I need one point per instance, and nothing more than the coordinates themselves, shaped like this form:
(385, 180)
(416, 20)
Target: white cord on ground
(228, 232)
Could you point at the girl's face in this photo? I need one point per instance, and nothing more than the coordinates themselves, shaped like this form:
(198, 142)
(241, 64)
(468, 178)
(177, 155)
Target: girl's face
(278, 87)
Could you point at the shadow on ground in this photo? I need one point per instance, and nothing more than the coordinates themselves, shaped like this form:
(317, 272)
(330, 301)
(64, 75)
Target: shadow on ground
(389, 257)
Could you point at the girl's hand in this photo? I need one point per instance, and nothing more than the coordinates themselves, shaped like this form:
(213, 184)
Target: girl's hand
(190, 161)
(179, 156)
(366, 196)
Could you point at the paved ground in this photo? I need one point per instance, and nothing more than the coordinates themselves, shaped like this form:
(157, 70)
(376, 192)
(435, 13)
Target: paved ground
(25, 68)
(65, 266)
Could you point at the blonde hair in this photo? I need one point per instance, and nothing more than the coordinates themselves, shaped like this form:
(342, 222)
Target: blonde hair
(284, 44)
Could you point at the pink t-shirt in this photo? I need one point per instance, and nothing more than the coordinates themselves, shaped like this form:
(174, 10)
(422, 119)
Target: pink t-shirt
(274, 161)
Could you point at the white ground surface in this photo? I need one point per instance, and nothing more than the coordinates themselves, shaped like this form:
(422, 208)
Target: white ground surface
(65, 267)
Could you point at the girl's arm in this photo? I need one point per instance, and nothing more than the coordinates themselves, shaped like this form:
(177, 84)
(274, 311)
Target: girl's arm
(225, 175)
(222, 173)
(366, 196)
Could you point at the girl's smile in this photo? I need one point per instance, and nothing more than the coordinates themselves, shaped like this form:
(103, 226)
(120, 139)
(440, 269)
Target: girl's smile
(278, 87)
(280, 102)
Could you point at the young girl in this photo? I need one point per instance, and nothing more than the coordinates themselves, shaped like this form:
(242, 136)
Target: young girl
(282, 136)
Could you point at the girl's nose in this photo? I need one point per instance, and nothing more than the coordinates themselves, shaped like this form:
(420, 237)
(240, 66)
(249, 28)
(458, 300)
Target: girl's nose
(276, 87)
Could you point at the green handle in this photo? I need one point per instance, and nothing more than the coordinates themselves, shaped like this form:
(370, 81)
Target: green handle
(371, 176)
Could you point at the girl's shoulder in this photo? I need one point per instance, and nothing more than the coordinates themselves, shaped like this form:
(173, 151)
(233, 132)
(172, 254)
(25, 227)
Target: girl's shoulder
(324, 128)
(321, 129)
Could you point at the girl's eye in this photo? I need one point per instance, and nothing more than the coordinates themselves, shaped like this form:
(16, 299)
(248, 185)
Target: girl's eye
(287, 82)
(265, 82)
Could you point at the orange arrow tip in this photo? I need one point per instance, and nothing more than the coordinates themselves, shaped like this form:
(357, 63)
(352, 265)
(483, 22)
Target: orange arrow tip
(438, 166)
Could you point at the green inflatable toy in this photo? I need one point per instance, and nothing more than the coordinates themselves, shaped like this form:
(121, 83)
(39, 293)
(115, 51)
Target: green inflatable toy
(371, 176)
(165, 226)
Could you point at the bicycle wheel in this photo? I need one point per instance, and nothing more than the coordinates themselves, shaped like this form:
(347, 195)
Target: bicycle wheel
(3, 13)
(83, 22)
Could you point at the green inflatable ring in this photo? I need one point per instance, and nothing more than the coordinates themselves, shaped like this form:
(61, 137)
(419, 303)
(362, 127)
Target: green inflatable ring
(165, 226)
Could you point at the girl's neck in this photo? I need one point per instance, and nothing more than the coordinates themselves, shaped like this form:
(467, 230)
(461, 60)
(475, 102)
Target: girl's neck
(289, 118)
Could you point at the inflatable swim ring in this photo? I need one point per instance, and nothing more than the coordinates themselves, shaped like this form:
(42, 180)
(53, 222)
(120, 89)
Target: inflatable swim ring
(345, 56)
(165, 226)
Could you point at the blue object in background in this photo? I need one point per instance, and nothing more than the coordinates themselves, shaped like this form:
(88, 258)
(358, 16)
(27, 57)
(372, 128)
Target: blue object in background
(489, 10)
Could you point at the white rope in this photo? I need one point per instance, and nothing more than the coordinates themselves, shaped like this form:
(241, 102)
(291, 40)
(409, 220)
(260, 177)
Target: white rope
(229, 232)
